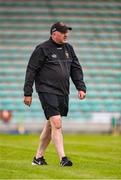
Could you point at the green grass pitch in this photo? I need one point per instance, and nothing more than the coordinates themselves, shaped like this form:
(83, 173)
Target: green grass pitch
(94, 157)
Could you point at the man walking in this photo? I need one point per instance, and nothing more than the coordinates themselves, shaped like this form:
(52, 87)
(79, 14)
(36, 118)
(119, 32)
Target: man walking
(51, 65)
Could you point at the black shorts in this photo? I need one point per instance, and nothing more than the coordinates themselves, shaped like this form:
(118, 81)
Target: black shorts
(53, 104)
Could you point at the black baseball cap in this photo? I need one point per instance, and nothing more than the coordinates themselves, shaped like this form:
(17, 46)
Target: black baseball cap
(59, 26)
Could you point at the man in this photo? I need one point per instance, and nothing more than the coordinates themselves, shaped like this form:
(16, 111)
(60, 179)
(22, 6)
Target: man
(51, 65)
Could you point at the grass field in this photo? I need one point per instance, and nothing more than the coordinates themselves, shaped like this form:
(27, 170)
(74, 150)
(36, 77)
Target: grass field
(94, 157)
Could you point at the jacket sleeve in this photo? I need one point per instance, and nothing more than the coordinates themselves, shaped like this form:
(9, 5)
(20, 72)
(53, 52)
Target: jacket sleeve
(34, 65)
(77, 73)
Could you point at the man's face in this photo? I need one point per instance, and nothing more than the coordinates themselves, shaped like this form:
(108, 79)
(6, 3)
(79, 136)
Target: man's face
(59, 37)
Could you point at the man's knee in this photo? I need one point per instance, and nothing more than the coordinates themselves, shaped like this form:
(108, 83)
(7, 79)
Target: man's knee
(56, 122)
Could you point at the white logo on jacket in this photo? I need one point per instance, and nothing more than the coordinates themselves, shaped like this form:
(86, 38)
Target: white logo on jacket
(54, 56)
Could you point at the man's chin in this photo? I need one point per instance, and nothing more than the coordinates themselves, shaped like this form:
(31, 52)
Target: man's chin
(65, 41)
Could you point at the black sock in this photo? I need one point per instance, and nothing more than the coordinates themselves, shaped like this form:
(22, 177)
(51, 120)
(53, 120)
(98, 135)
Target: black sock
(64, 158)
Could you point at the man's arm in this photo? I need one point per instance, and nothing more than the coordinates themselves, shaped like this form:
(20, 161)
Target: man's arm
(34, 65)
(77, 76)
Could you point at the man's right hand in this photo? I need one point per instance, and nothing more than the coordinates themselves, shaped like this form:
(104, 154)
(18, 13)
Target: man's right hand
(28, 100)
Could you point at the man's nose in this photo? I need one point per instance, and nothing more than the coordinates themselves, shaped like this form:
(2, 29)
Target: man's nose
(66, 35)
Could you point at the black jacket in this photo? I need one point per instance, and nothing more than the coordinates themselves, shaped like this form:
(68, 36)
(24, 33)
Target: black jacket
(50, 66)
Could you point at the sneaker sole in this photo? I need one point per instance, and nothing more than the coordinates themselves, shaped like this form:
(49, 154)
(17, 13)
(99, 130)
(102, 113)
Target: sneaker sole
(34, 164)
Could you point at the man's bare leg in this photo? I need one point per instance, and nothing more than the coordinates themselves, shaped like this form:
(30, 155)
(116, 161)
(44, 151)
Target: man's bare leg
(45, 139)
(56, 134)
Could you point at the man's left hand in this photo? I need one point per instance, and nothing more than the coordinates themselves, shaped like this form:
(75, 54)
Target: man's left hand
(81, 94)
